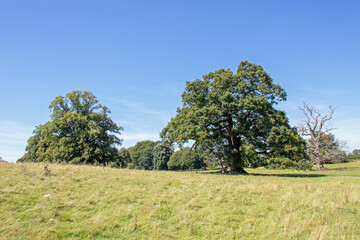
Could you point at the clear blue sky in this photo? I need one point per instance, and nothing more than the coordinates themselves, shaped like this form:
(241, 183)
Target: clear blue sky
(136, 56)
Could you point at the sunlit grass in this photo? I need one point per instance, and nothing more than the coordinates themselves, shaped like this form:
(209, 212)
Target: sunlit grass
(99, 203)
(341, 169)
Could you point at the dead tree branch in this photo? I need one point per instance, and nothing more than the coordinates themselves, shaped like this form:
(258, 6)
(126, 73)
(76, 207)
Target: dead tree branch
(315, 126)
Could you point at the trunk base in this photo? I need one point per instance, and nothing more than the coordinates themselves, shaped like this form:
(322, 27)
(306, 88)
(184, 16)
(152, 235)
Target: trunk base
(238, 170)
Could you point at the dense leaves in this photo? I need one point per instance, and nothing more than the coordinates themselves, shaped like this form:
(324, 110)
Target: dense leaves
(149, 155)
(162, 153)
(142, 155)
(184, 159)
(286, 142)
(125, 157)
(233, 112)
(80, 131)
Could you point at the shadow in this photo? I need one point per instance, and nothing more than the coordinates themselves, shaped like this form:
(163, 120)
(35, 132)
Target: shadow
(292, 175)
(289, 175)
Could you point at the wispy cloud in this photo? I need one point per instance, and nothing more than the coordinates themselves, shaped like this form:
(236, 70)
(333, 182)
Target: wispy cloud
(131, 138)
(136, 107)
(14, 130)
(348, 130)
(13, 139)
(140, 136)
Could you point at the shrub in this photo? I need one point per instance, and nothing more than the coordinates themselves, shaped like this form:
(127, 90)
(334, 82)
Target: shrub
(286, 163)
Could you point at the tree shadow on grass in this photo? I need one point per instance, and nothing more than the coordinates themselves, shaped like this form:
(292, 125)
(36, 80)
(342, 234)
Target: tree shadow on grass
(291, 175)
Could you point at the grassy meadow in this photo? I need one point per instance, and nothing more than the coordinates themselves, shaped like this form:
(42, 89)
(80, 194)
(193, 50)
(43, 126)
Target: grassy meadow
(88, 202)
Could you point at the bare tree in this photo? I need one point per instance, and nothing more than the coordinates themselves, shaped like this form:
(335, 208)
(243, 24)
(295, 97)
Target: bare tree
(315, 127)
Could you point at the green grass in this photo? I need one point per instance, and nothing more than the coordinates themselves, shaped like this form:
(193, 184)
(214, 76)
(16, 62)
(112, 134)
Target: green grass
(104, 203)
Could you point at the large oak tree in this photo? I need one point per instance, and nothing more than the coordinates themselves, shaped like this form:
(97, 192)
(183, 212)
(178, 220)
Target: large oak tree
(233, 111)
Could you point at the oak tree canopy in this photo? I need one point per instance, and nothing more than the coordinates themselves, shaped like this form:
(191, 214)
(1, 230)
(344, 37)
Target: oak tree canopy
(80, 131)
(234, 111)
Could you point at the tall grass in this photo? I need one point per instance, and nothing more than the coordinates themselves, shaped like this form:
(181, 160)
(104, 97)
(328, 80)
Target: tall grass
(104, 203)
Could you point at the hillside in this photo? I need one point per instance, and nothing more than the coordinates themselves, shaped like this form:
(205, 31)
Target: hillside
(105, 203)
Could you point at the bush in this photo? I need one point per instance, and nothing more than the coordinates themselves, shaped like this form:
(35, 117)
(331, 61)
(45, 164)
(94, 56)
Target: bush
(286, 163)
(184, 159)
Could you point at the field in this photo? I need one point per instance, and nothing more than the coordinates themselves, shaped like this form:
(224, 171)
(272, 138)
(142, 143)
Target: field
(88, 202)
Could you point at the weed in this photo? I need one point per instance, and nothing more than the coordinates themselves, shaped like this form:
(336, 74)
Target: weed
(47, 171)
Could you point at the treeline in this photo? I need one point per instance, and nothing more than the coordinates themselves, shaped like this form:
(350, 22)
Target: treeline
(229, 116)
(149, 155)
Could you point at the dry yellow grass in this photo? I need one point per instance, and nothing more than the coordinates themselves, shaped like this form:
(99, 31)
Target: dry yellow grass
(104, 203)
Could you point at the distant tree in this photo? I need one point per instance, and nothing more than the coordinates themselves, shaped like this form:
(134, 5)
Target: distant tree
(354, 155)
(184, 159)
(162, 153)
(142, 155)
(233, 111)
(208, 155)
(131, 150)
(80, 131)
(315, 126)
(356, 152)
(125, 157)
(330, 149)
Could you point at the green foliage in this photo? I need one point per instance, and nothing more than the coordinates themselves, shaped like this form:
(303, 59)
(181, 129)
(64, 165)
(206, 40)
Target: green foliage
(162, 153)
(80, 131)
(208, 156)
(142, 155)
(286, 142)
(286, 163)
(184, 159)
(287, 149)
(125, 157)
(233, 111)
(352, 157)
